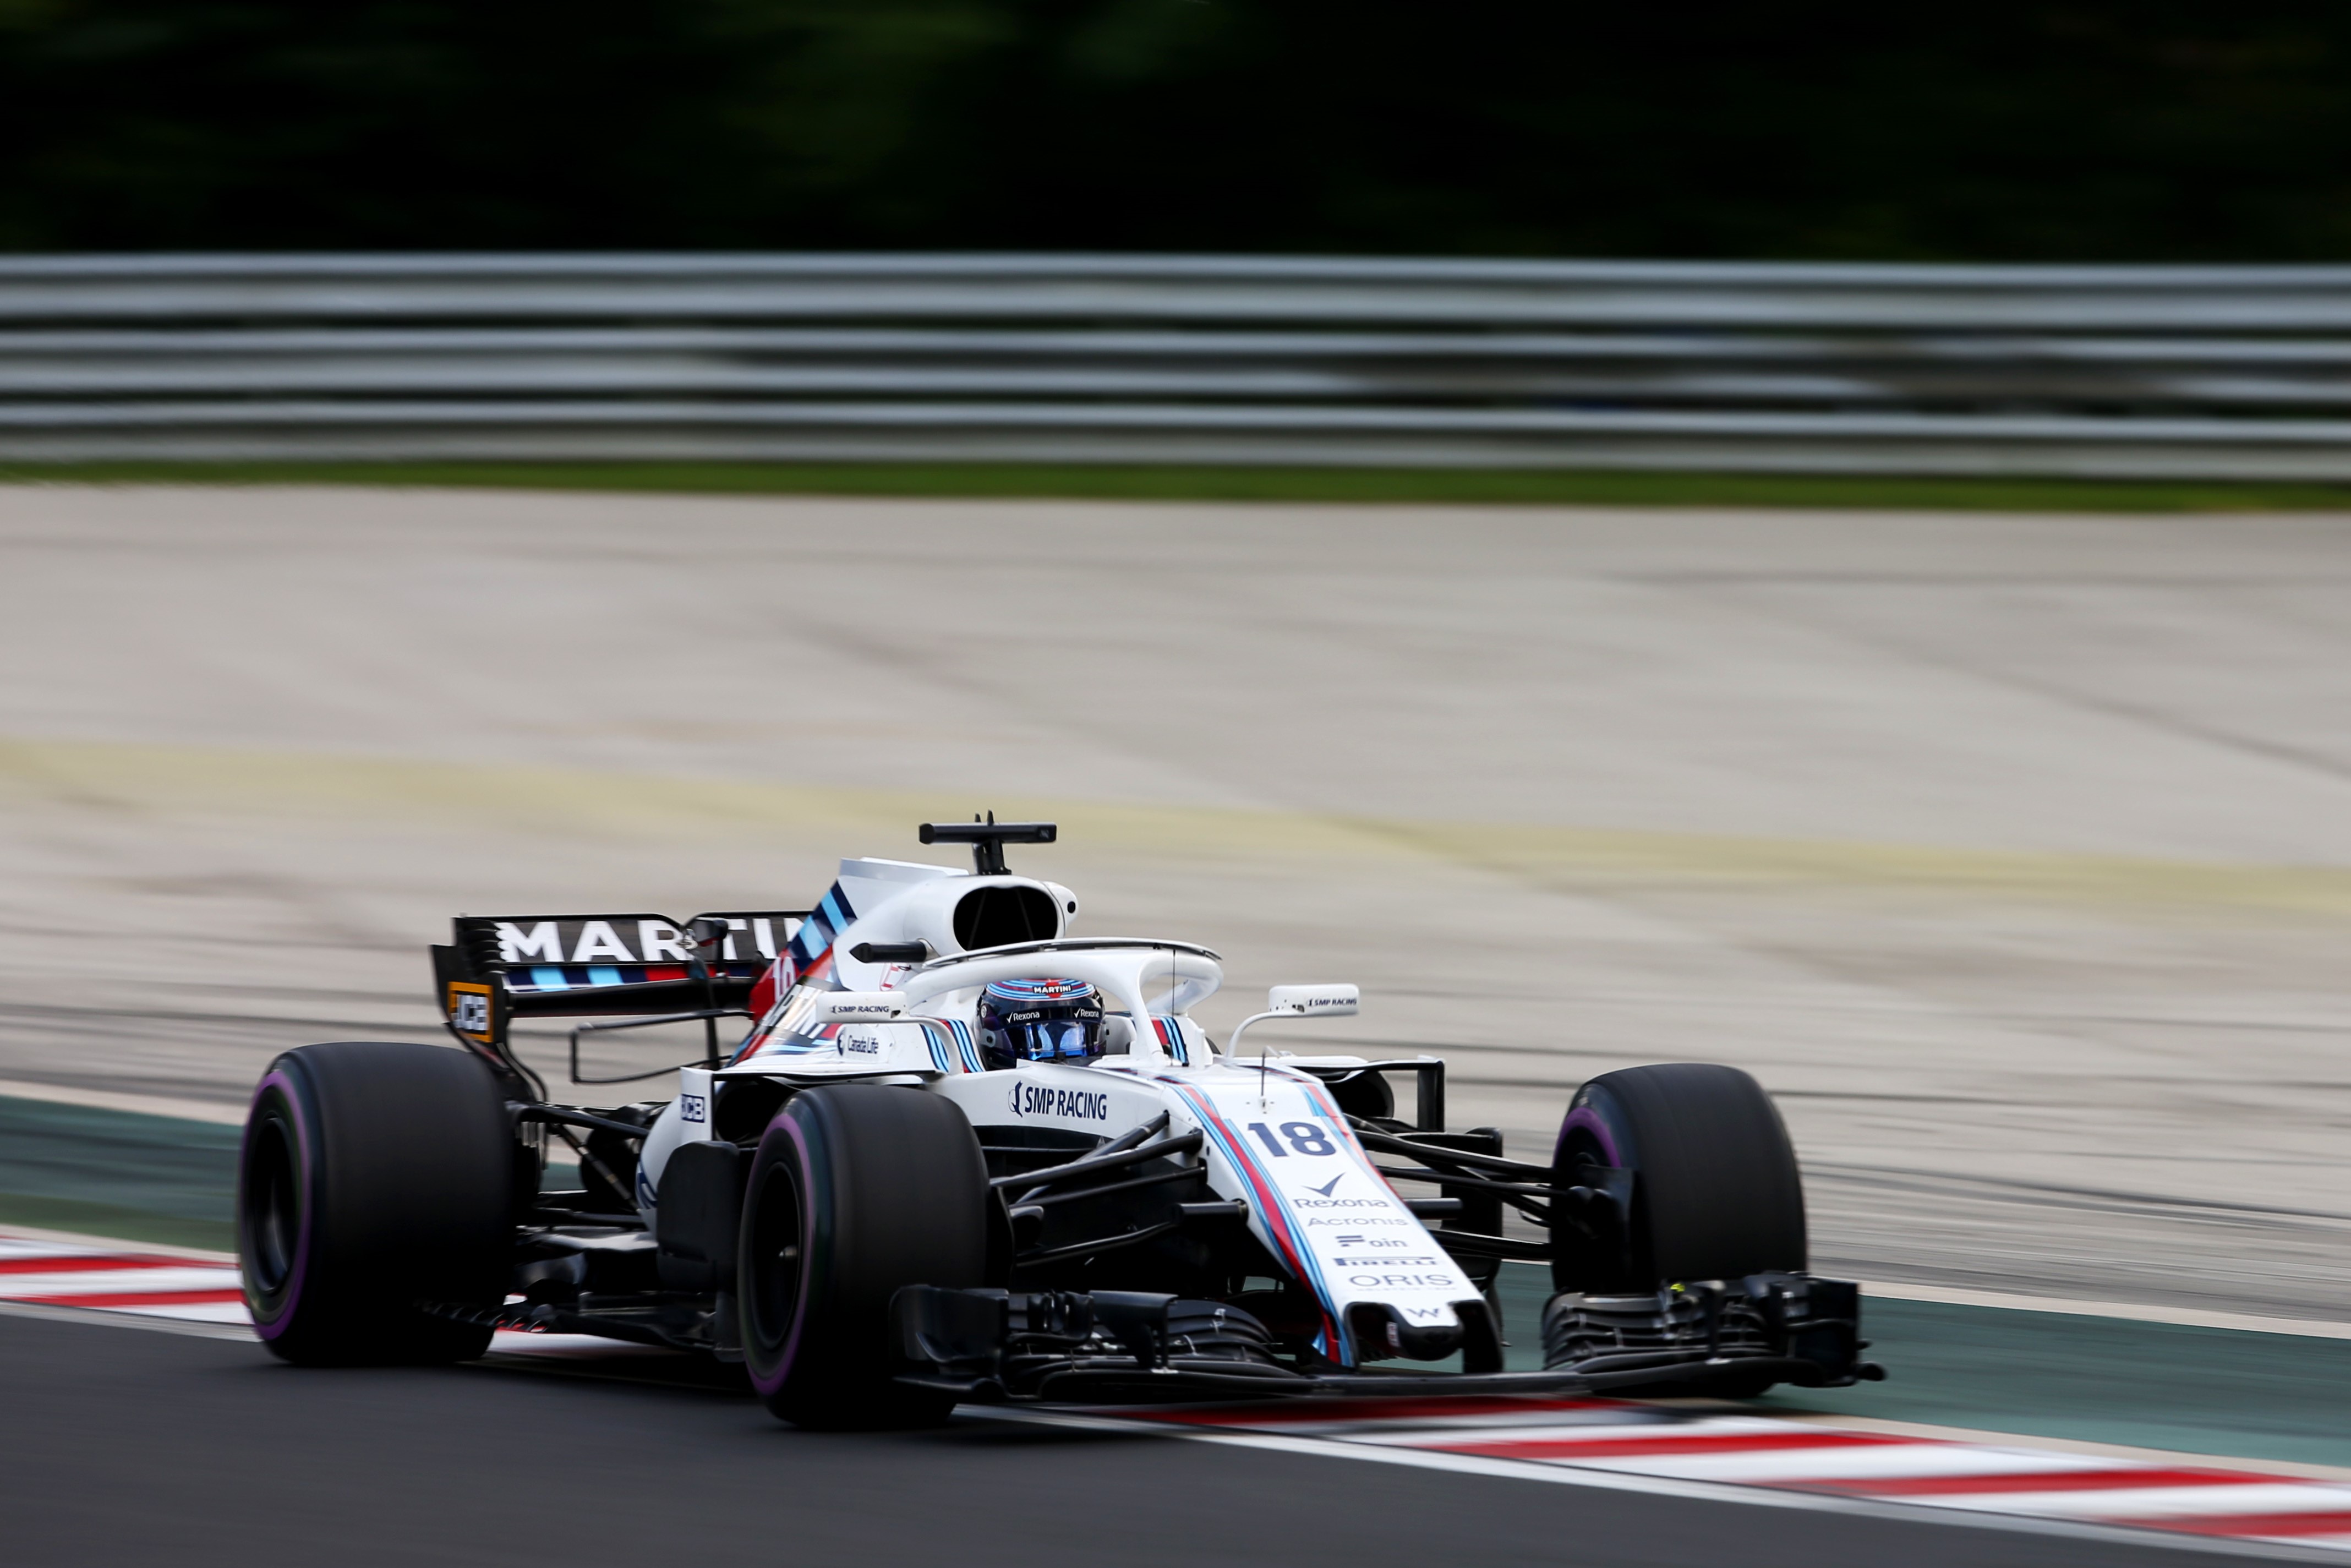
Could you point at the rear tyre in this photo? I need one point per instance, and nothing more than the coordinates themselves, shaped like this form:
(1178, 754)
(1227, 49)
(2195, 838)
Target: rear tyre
(857, 1191)
(375, 1182)
(1716, 1192)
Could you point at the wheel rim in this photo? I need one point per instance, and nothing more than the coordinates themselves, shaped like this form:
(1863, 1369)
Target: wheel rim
(773, 1260)
(1584, 1153)
(278, 1217)
(272, 1209)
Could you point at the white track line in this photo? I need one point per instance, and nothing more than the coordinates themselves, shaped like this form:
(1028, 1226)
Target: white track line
(216, 1113)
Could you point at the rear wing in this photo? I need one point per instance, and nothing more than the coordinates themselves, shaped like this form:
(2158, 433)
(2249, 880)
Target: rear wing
(497, 969)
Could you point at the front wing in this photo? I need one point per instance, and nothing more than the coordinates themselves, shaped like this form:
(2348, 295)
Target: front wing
(1736, 1338)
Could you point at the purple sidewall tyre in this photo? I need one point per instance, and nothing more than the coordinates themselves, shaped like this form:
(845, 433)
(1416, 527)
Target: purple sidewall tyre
(274, 1206)
(376, 1191)
(857, 1191)
(774, 1215)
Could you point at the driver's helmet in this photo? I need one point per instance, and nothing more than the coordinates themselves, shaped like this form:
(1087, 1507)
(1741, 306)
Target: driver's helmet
(1039, 1021)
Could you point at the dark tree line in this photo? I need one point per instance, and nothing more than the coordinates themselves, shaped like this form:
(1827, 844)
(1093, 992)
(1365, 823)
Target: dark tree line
(1812, 128)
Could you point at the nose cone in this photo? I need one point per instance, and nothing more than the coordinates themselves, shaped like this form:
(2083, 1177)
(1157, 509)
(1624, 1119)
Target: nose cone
(1381, 1333)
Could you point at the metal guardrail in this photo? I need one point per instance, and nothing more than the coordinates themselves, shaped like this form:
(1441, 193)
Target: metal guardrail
(2237, 372)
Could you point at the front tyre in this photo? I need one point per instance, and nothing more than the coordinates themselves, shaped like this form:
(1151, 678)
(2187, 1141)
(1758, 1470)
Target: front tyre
(1716, 1192)
(375, 1184)
(857, 1191)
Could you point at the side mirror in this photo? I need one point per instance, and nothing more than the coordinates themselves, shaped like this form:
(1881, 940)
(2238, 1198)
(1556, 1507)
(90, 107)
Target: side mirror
(1315, 1001)
(1299, 1001)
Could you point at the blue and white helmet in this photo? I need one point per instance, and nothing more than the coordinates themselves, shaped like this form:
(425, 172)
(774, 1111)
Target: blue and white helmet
(1039, 1021)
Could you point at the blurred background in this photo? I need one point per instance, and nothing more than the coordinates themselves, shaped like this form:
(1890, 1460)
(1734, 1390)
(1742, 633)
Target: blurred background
(2000, 131)
(1916, 668)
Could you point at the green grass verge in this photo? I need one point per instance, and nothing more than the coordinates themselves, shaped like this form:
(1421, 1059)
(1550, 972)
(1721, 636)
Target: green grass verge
(1110, 482)
(109, 1219)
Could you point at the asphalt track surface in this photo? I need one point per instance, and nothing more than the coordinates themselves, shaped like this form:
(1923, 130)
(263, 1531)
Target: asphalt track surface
(135, 1448)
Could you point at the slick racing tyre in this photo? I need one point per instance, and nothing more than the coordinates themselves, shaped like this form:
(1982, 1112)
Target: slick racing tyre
(857, 1191)
(375, 1183)
(1716, 1193)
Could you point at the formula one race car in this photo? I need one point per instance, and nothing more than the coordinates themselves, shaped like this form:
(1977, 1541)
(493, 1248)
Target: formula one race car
(961, 1154)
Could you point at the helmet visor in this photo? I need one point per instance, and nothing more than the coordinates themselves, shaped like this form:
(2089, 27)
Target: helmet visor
(1059, 1039)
